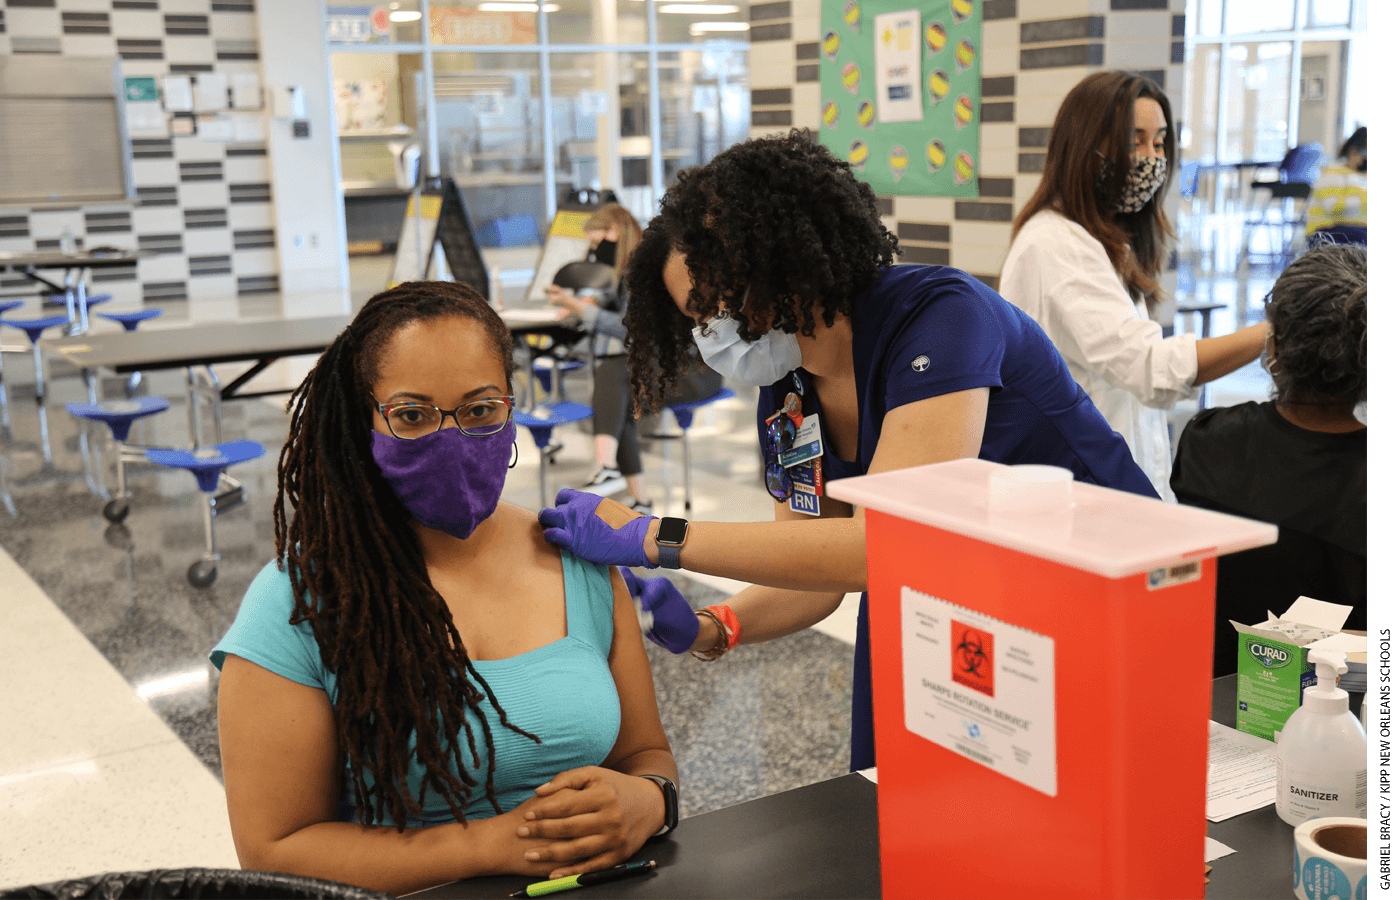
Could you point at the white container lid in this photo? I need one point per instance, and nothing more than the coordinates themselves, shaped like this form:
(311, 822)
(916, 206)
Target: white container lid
(1104, 531)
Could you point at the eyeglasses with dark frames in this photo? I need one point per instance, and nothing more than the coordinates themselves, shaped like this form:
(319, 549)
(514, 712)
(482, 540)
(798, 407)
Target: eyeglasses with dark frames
(410, 419)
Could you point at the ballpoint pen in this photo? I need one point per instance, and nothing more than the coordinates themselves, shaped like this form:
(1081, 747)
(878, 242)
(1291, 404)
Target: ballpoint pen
(626, 870)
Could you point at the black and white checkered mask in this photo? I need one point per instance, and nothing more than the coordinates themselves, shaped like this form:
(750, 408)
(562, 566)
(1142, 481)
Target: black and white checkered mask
(1146, 175)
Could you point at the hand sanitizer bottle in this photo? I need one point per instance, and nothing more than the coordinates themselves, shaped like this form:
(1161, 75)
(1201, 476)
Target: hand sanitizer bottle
(1322, 751)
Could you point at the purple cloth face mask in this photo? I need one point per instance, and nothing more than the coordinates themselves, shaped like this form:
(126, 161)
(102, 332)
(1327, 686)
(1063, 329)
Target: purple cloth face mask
(448, 480)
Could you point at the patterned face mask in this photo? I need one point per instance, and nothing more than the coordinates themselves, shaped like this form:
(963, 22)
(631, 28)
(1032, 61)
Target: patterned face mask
(1146, 175)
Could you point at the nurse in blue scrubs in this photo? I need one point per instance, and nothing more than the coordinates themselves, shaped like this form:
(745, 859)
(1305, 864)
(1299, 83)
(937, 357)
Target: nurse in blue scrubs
(773, 261)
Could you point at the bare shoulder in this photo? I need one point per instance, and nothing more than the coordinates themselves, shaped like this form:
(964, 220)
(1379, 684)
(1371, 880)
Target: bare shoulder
(521, 527)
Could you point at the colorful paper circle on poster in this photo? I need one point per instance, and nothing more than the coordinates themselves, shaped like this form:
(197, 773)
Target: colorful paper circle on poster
(962, 168)
(858, 155)
(937, 156)
(965, 54)
(865, 114)
(899, 162)
(830, 114)
(851, 13)
(935, 37)
(962, 10)
(962, 113)
(830, 44)
(937, 86)
(850, 78)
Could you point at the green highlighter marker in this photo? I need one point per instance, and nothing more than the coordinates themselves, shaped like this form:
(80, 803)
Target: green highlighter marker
(627, 870)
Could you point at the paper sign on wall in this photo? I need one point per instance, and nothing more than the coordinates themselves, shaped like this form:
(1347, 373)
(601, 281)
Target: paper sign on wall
(980, 687)
(897, 73)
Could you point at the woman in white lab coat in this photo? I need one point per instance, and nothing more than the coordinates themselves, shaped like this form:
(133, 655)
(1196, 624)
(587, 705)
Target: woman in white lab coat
(1086, 255)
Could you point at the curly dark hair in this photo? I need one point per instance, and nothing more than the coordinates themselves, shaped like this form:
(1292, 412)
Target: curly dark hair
(404, 684)
(1318, 312)
(780, 218)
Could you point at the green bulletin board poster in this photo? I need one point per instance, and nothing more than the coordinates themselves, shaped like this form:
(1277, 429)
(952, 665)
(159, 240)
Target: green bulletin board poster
(901, 92)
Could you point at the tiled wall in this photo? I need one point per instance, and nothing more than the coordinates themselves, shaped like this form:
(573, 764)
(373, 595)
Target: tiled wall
(203, 209)
(1033, 52)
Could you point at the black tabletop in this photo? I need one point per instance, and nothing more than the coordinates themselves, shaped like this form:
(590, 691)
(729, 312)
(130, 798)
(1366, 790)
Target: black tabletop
(814, 842)
(823, 841)
(198, 344)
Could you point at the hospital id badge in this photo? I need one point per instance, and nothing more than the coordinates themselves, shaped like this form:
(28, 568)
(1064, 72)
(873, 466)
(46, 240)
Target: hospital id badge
(806, 487)
(807, 444)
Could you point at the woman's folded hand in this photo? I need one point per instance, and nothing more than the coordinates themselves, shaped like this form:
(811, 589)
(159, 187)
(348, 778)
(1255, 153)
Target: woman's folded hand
(595, 818)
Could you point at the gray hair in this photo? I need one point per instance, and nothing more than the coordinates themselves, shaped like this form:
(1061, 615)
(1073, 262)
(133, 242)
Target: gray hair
(1318, 312)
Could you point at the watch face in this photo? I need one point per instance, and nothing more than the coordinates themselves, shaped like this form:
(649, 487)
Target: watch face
(672, 531)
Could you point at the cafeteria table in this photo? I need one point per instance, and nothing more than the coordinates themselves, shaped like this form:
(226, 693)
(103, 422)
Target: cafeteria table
(74, 286)
(822, 840)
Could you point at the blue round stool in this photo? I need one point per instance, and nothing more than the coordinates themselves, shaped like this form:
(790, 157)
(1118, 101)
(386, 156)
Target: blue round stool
(62, 299)
(207, 464)
(118, 416)
(129, 321)
(685, 417)
(541, 421)
(34, 328)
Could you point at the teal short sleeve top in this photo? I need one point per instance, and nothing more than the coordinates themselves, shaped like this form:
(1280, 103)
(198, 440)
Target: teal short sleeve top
(563, 692)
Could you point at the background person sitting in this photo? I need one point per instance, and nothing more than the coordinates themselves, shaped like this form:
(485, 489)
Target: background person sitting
(421, 689)
(1337, 206)
(1298, 461)
(615, 233)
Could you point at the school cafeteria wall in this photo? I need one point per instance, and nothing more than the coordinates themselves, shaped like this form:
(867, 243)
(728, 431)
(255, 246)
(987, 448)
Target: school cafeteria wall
(204, 209)
(305, 170)
(1033, 52)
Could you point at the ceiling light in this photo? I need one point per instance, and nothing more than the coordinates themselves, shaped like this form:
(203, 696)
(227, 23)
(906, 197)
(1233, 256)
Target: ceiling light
(703, 27)
(405, 15)
(517, 7)
(698, 9)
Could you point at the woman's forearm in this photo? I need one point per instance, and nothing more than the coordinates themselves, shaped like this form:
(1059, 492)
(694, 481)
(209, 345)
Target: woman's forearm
(766, 614)
(1222, 355)
(825, 555)
(381, 858)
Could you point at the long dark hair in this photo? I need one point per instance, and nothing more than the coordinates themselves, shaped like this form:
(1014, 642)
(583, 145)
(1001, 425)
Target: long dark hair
(1097, 116)
(403, 678)
(779, 217)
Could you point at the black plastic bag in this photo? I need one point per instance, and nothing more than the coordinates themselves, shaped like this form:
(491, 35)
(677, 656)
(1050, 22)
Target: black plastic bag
(205, 883)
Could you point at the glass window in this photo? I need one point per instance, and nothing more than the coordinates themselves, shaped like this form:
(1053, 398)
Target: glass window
(374, 24)
(1329, 13)
(1247, 16)
(376, 117)
(469, 22)
(587, 94)
(698, 21)
(1209, 14)
(597, 21)
(1257, 81)
(1322, 94)
(490, 138)
(1200, 104)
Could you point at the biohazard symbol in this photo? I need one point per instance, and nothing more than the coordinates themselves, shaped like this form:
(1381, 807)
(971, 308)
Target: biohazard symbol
(974, 665)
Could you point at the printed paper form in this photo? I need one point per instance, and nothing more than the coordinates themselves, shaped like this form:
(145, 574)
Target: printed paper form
(1242, 773)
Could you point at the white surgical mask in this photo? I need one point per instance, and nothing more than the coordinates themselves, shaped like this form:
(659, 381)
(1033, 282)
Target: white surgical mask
(756, 363)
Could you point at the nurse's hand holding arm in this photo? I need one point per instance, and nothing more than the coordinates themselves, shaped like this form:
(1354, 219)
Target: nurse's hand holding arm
(800, 567)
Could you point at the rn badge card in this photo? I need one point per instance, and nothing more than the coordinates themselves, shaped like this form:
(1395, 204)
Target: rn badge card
(898, 82)
(980, 687)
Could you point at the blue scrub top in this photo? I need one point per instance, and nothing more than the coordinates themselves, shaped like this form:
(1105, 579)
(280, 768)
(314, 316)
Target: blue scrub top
(924, 331)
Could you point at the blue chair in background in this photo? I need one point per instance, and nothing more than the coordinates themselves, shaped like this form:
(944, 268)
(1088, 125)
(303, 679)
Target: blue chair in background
(129, 321)
(1299, 169)
(541, 421)
(685, 417)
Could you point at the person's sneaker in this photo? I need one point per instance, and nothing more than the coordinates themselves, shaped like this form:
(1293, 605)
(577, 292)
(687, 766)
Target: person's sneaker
(604, 482)
(644, 508)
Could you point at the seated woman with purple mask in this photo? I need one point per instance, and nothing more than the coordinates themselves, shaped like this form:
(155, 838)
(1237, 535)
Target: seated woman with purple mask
(420, 688)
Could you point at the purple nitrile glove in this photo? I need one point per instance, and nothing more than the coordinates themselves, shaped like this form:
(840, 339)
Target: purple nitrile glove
(574, 525)
(674, 625)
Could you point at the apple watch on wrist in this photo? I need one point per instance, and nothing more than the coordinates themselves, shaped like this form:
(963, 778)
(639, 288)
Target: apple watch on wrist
(672, 798)
(670, 537)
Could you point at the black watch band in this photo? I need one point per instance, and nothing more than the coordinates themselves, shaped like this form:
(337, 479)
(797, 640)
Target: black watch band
(673, 803)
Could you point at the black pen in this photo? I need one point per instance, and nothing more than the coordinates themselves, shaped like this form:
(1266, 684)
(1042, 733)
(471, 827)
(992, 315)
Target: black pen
(626, 870)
